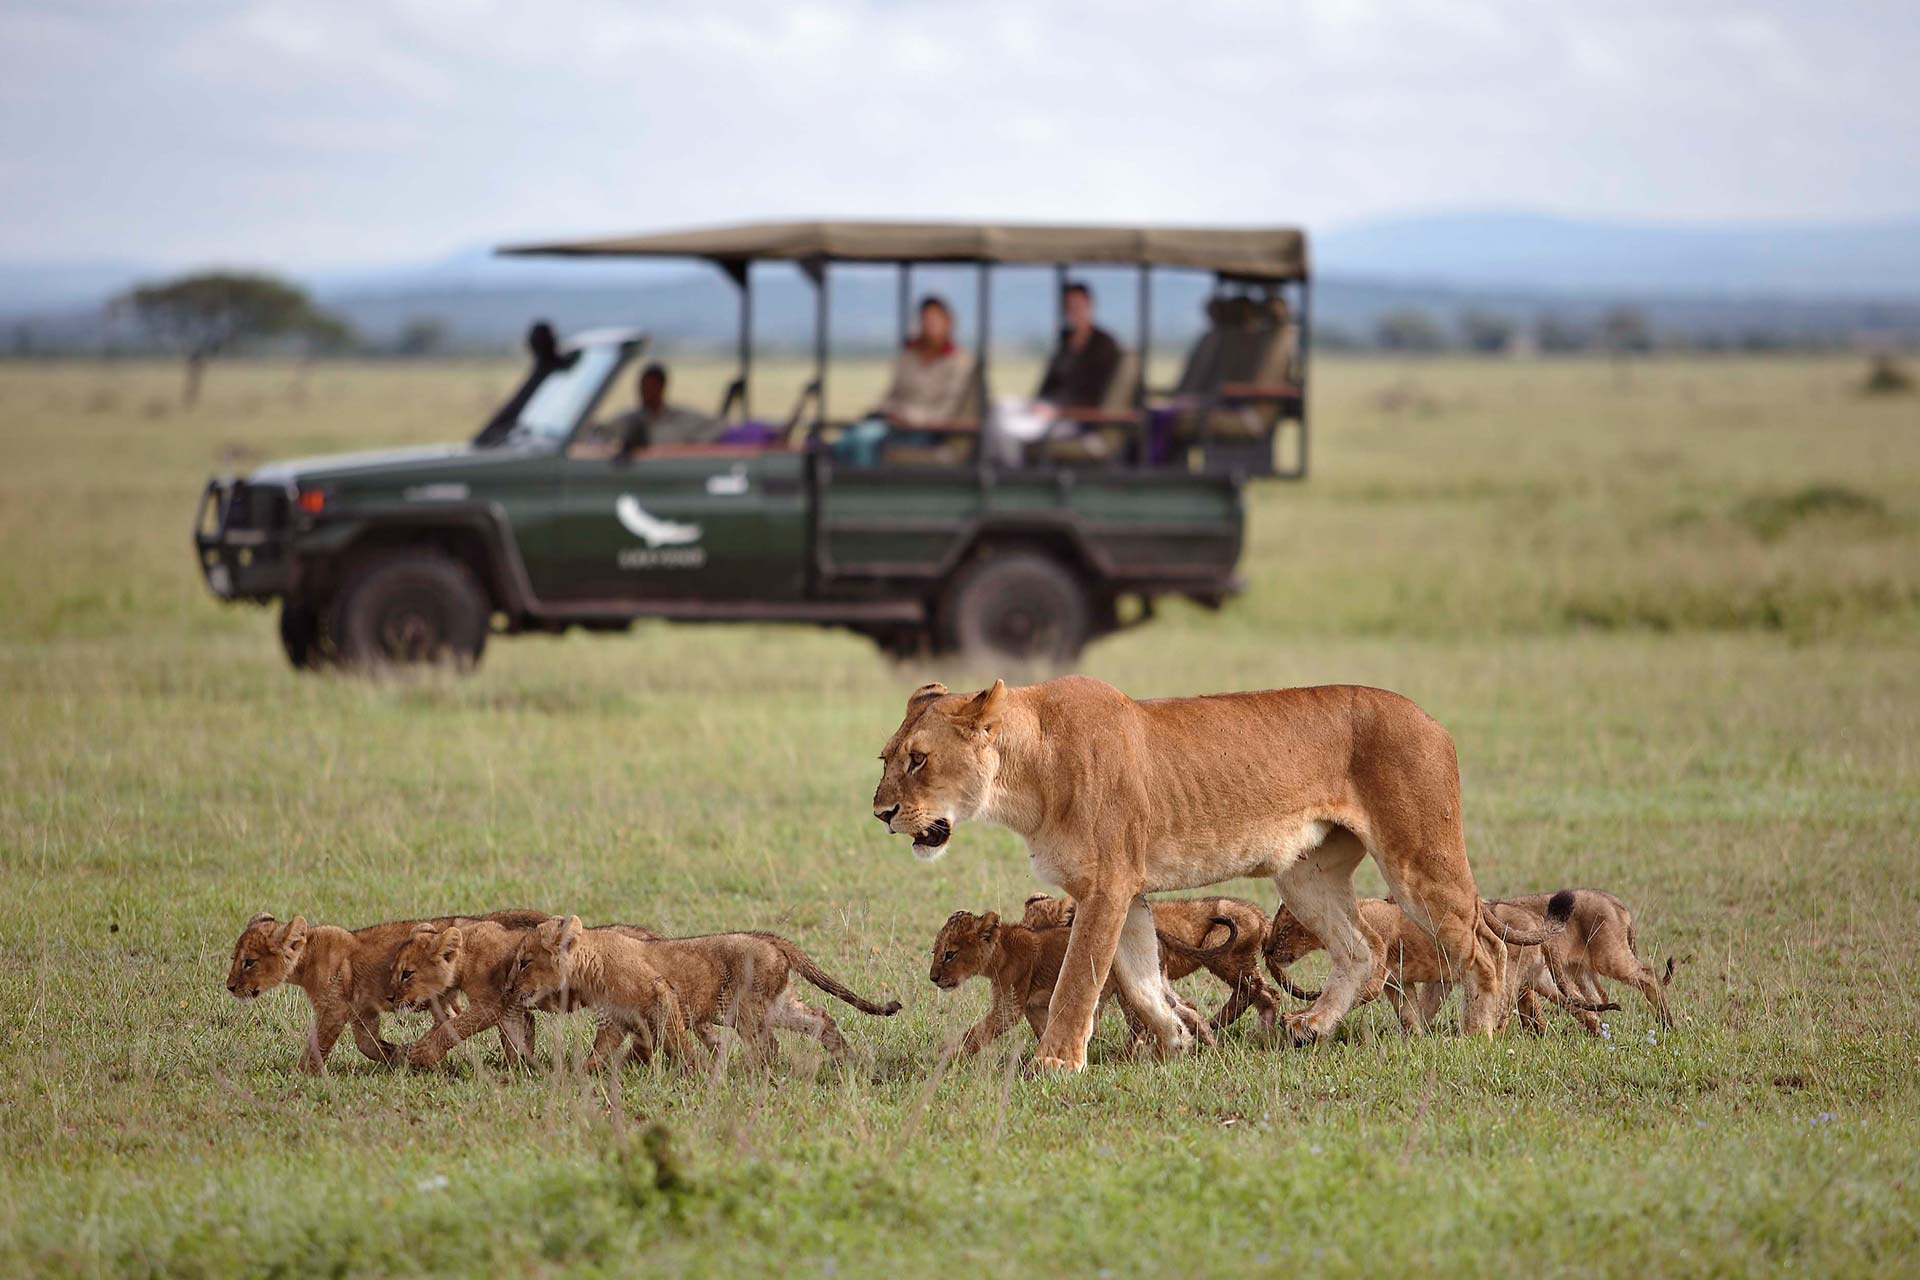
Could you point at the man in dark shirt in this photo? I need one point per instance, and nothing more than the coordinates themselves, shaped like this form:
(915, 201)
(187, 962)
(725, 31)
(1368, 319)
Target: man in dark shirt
(1084, 363)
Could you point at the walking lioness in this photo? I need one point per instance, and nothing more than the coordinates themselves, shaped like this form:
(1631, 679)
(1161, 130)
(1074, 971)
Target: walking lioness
(1118, 798)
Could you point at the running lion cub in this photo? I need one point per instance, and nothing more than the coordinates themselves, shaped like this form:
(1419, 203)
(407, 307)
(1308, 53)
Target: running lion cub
(1193, 922)
(1022, 964)
(1405, 957)
(473, 959)
(657, 991)
(343, 973)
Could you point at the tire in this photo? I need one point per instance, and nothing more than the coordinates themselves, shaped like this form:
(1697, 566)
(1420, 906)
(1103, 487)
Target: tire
(407, 608)
(300, 637)
(1016, 607)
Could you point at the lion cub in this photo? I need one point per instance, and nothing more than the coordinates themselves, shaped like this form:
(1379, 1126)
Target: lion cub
(473, 959)
(1192, 922)
(658, 990)
(343, 972)
(1405, 957)
(1022, 964)
(1599, 942)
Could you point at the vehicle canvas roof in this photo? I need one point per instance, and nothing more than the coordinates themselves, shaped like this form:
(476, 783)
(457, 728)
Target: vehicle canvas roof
(1262, 253)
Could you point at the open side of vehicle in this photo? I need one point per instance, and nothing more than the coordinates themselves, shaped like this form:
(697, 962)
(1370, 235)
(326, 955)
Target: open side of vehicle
(1021, 551)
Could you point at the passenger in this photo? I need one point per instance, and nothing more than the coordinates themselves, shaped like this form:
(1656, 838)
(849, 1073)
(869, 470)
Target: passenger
(931, 379)
(1078, 376)
(1084, 363)
(655, 422)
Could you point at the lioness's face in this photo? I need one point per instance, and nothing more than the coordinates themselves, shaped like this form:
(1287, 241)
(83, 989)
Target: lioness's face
(265, 955)
(939, 767)
(423, 967)
(962, 949)
(539, 970)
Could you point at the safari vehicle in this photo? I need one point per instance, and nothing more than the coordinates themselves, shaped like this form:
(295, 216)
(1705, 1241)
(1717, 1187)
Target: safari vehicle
(1022, 552)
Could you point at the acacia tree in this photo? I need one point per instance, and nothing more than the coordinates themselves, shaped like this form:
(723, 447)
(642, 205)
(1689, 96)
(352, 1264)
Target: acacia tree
(202, 316)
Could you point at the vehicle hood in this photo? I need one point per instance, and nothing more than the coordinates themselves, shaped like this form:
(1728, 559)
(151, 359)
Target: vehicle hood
(439, 460)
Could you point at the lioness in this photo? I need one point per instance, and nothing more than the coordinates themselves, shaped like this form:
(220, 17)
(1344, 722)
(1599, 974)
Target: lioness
(344, 974)
(437, 960)
(740, 979)
(1117, 798)
(1022, 963)
(1195, 922)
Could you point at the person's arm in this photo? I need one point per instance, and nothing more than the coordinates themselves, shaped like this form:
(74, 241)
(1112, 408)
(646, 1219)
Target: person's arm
(955, 377)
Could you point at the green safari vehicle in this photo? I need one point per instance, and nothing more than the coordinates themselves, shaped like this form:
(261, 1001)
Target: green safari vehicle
(1018, 550)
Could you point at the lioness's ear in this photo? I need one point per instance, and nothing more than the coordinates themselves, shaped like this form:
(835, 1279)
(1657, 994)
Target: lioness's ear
(984, 711)
(293, 938)
(924, 694)
(449, 943)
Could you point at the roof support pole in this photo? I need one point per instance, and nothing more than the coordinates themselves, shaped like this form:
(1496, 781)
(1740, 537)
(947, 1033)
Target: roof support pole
(983, 451)
(906, 300)
(816, 269)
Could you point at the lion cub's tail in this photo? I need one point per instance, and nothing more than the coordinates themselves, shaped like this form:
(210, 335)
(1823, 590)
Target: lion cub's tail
(1204, 954)
(804, 966)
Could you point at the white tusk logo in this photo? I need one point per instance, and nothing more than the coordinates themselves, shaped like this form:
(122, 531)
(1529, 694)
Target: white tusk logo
(651, 529)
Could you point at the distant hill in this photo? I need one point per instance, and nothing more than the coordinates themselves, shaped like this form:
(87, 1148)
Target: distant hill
(1541, 253)
(1818, 284)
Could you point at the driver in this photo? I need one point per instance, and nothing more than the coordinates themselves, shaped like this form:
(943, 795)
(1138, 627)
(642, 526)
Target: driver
(654, 422)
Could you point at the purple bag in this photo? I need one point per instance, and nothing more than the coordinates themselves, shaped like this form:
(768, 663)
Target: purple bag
(762, 434)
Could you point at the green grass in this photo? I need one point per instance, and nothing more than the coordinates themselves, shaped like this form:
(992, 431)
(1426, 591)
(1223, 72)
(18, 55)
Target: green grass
(1670, 618)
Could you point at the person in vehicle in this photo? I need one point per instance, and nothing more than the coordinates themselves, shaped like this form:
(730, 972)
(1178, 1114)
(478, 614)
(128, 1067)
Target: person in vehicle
(544, 346)
(655, 422)
(932, 377)
(1083, 365)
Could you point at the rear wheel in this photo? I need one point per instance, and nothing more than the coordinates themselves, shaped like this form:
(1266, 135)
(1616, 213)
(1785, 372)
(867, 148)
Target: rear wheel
(406, 608)
(1016, 606)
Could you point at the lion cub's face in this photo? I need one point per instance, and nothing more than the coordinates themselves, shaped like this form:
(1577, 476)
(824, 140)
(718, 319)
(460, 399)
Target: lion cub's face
(540, 965)
(424, 966)
(265, 955)
(939, 767)
(963, 949)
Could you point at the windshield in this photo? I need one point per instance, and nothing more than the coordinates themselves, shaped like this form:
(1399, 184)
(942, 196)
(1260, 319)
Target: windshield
(566, 395)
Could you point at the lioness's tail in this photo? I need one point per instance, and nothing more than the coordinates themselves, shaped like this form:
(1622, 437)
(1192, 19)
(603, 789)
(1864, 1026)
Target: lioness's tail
(1559, 911)
(804, 966)
(1204, 954)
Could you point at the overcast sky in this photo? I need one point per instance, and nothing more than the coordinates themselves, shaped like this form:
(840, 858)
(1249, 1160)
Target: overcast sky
(316, 133)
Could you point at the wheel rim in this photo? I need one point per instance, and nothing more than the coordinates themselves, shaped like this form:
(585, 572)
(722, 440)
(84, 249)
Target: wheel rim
(1023, 627)
(408, 633)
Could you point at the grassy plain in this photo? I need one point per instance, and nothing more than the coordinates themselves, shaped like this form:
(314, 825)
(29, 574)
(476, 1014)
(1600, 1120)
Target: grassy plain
(1668, 612)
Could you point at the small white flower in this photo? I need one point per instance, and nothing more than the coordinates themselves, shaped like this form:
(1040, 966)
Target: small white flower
(438, 1182)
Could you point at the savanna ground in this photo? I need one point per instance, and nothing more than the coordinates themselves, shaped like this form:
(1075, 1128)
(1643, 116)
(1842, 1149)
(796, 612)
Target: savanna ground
(1669, 615)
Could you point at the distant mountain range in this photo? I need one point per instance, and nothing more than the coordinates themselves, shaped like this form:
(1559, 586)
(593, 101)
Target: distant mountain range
(1813, 281)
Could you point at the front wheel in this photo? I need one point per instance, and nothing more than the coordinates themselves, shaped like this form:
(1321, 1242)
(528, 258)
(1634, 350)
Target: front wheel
(1016, 606)
(407, 608)
(300, 637)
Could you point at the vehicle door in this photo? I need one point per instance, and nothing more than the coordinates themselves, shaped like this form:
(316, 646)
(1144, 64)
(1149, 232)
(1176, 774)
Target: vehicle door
(684, 524)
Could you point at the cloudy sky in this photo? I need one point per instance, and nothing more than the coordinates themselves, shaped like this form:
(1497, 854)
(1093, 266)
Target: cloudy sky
(317, 133)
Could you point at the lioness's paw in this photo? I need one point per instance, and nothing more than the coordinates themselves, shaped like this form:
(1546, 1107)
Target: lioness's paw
(1048, 1065)
(1301, 1028)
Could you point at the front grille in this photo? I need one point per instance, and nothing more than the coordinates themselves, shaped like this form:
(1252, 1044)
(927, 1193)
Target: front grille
(256, 507)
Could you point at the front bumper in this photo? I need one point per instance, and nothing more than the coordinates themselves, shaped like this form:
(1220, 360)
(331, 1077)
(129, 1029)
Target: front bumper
(241, 537)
